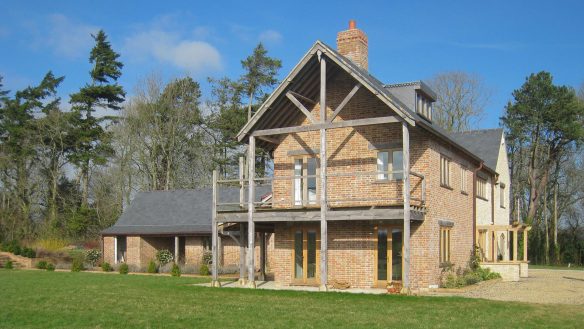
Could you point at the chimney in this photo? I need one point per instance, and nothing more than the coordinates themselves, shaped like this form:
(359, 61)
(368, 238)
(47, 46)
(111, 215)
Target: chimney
(352, 44)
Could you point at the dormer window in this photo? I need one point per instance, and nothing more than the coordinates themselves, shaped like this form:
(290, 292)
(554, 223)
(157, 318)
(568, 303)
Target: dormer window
(424, 106)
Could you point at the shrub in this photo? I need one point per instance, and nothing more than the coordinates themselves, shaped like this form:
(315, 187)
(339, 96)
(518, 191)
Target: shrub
(8, 265)
(106, 267)
(51, 244)
(175, 270)
(204, 269)
(207, 257)
(42, 265)
(164, 257)
(77, 265)
(152, 267)
(50, 267)
(124, 268)
(92, 256)
(28, 252)
(17, 250)
(474, 261)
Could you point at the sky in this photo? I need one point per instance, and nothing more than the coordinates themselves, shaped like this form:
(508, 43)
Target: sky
(500, 41)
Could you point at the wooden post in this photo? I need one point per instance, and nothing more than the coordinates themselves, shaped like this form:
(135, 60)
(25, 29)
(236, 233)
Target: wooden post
(494, 244)
(525, 245)
(214, 234)
(176, 249)
(242, 254)
(406, 195)
(250, 210)
(262, 256)
(323, 185)
(515, 236)
(115, 250)
(241, 183)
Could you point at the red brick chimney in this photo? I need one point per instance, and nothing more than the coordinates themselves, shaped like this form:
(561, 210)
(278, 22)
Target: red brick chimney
(352, 44)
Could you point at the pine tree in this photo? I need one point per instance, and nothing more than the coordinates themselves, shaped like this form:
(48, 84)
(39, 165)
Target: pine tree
(260, 73)
(91, 139)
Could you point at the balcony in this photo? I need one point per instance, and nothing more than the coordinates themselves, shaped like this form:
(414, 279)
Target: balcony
(350, 195)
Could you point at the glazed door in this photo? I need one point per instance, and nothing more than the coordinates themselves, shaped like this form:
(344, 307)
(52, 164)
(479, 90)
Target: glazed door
(388, 255)
(306, 255)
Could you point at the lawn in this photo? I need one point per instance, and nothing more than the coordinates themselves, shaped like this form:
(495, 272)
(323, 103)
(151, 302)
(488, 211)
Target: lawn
(88, 300)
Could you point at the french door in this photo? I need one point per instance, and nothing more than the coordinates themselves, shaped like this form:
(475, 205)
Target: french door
(306, 255)
(388, 255)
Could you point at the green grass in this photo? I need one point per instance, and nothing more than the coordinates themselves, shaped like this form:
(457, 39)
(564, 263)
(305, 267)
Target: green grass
(556, 267)
(32, 299)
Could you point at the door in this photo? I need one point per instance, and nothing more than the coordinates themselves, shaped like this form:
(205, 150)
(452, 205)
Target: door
(388, 255)
(306, 255)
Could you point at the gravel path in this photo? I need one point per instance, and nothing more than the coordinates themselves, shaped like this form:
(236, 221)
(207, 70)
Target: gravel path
(542, 286)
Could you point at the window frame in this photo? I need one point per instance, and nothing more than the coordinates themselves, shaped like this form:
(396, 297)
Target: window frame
(481, 191)
(303, 178)
(445, 173)
(445, 244)
(390, 174)
(423, 106)
(502, 196)
(463, 180)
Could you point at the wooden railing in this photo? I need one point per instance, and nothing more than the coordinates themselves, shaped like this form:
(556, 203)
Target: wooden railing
(357, 189)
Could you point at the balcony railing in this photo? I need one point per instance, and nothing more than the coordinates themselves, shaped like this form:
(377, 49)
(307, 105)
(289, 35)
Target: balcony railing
(344, 190)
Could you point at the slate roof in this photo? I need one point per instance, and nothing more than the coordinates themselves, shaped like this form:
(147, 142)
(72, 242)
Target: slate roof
(485, 143)
(173, 212)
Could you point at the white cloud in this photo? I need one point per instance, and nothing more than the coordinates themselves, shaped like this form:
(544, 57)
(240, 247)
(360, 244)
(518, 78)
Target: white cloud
(270, 36)
(67, 38)
(169, 47)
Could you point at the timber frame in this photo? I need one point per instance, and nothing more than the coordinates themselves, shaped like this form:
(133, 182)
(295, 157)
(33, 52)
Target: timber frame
(322, 214)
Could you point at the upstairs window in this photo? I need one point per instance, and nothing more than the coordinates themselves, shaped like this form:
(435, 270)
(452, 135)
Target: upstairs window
(502, 195)
(482, 188)
(424, 106)
(390, 165)
(463, 180)
(444, 171)
(305, 181)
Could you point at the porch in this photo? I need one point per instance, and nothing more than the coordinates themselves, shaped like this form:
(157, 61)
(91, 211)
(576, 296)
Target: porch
(500, 252)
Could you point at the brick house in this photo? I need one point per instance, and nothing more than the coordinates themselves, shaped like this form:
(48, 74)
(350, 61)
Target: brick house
(366, 190)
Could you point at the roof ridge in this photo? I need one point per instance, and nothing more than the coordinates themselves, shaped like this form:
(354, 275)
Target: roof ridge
(477, 130)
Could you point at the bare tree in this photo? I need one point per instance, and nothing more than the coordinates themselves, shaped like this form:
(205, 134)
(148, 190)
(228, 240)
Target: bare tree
(462, 99)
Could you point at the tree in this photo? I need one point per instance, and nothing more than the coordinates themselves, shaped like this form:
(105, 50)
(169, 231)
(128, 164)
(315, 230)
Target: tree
(462, 99)
(260, 74)
(544, 125)
(19, 148)
(92, 141)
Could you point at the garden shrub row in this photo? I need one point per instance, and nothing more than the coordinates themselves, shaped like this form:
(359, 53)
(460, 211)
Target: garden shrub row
(15, 248)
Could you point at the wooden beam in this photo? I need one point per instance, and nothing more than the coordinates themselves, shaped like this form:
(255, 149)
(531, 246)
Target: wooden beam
(323, 186)
(214, 234)
(344, 102)
(242, 254)
(250, 211)
(319, 126)
(176, 249)
(406, 195)
(515, 236)
(525, 245)
(383, 214)
(300, 107)
(304, 98)
(241, 184)
(263, 256)
(269, 139)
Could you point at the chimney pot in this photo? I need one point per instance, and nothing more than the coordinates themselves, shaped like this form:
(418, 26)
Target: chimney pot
(352, 24)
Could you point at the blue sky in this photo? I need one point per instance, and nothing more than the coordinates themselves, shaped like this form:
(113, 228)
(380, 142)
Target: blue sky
(502, 41)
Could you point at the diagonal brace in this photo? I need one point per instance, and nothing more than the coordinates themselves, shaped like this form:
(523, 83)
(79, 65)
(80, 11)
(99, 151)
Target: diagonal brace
(301, 107)
(344, 102)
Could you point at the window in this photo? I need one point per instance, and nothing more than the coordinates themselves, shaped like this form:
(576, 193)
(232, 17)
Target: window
(424, 106)
(502, 195)
(444, 244)
(120, 248)
(463, 180)
(305, 185)
(444, 171)
(482, 188)
(206, 241)
(390, 165)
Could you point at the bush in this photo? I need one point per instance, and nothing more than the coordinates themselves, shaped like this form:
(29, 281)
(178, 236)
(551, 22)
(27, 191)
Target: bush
(207, 258)
(28, 252)
(152, 267)
(8, 265)
(175, 270)
(50, 267)
(164, 257)
(42, 265)
(474, 261)
(51, 244)
(106, 267)
(204, 270)
(77, 265)
(124, 268)
(16, 250)
(92, 256)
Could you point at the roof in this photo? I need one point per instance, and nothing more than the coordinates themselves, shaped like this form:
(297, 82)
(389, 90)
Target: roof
(486, 143)
(299, 78)
(173, 212)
